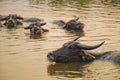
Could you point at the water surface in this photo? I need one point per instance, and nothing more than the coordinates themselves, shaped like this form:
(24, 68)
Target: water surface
(24, 58)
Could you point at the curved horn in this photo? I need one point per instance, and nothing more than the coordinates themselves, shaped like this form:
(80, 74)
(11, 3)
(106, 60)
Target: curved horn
(86, 47)
(76, 39)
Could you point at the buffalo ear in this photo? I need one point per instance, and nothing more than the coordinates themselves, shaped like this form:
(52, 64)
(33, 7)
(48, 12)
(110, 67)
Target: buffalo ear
(28, 27)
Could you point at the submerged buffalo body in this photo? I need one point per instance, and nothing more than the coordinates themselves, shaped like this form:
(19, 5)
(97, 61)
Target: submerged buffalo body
(32, 20)
(75, 52)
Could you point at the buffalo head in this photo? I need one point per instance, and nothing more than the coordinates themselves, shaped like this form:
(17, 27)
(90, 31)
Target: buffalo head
(36, 29)
(73, 52)
(74, 25)
(71, 25)
(12, 20)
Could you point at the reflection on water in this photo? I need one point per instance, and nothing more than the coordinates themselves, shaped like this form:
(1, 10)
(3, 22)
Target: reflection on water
(75, 33)
(35, 36)
(83, 71)
(23, 57)
(72, 70)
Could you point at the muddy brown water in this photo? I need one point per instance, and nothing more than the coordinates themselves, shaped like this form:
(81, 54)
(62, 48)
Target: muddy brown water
(24, 58)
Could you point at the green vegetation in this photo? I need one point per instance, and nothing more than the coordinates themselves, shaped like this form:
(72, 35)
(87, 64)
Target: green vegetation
(113, 1)
(68, 2)
(71, 2)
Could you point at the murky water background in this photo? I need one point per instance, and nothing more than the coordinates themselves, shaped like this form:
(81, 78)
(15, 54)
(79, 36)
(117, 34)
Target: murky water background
(24, 58)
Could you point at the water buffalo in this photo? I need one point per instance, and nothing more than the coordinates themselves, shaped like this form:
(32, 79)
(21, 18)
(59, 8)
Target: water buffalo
(12, 20)
(73, 24)
(36, 29)
(75, 52)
